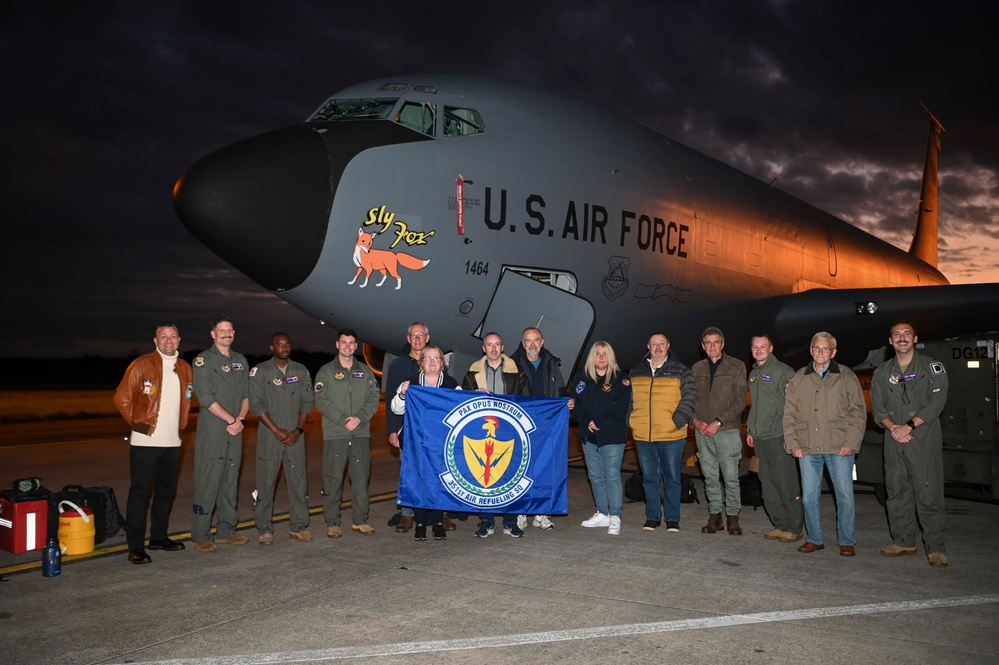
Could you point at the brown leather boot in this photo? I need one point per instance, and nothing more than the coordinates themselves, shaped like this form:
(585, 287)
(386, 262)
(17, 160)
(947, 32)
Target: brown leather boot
(733, 526)
(714, 524)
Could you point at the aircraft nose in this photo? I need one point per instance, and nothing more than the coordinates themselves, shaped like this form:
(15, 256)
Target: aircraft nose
(262, 204)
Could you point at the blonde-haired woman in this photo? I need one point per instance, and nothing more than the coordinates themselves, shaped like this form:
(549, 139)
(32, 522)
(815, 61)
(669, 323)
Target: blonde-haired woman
(602, 392)
(433, 374)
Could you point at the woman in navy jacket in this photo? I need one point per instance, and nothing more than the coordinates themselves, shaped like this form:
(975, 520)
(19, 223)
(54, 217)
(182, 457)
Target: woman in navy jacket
(602, 392)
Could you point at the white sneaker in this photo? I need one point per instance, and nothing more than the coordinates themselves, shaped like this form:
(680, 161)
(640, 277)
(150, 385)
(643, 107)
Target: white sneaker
(542, 522)
(614, 528)
(598, 519)
(521, 522)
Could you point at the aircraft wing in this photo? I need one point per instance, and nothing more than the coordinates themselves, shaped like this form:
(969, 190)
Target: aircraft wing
(861, 318)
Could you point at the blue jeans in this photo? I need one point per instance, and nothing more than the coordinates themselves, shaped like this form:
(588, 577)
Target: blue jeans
(841, 473)
(660, 462)
(603, 466)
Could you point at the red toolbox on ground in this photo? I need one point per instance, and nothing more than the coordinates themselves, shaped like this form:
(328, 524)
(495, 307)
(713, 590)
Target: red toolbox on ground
(23, 520)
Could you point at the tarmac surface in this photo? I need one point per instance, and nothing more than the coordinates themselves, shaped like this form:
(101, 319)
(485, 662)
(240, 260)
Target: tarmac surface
(568, 595)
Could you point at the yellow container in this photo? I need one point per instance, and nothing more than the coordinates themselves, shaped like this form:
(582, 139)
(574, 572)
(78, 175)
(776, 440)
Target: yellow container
(76, 529)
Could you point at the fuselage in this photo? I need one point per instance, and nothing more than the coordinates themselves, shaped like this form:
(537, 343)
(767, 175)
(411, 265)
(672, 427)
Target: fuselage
(655, 235)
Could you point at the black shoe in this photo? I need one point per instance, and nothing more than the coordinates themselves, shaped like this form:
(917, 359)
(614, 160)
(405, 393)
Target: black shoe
(138, 557)
(421, 532)
(395, 519)
(439, 532)
(165, 544)
(650, 525)
(673, 527)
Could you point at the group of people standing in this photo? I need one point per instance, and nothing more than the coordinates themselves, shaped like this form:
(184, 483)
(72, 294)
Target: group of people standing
(816, 416)
(532, 370)
(155, 396)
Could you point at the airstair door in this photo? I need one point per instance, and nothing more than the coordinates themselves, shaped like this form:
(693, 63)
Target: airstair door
(565, 319)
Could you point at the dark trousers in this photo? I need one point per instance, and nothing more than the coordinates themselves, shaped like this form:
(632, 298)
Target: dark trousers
(509, 521)
(153, 468)
(425, 516)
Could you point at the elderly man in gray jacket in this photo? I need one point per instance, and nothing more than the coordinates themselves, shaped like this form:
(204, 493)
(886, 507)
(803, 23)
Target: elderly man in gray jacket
(824, 419)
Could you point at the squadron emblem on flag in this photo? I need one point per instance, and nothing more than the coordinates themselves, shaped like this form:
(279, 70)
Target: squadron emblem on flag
(488, 458)
(487, 452)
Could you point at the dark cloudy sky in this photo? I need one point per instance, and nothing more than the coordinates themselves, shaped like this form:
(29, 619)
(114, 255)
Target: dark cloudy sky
(105, 104)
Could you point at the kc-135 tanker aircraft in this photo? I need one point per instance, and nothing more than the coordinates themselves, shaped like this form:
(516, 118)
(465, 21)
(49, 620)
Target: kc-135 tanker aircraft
(479, 204)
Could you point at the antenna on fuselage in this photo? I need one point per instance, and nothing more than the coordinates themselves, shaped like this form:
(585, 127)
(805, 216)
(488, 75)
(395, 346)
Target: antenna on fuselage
(926, 237)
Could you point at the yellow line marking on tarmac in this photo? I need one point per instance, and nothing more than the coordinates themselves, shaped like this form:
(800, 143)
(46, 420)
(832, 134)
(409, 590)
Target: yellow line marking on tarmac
(186, 535)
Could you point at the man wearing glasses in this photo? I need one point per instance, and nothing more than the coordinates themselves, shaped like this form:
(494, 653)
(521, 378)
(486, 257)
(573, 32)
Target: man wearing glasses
(401, 369)
(824, 419)
(721, 398)
(908, 394)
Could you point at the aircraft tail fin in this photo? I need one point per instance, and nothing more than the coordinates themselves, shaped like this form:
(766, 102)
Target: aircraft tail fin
(925, 239)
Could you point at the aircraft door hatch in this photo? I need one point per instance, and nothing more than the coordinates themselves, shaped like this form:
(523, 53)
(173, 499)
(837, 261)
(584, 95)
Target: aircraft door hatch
(521, 301)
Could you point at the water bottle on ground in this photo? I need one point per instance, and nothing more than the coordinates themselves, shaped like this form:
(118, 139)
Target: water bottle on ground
(51, 558)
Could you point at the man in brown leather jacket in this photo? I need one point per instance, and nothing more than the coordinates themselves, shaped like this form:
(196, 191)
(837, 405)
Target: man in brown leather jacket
(154, 398)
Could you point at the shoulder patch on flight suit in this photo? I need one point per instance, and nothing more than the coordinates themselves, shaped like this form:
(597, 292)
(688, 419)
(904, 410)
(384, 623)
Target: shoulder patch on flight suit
(937, 368)
(319, 386)
(253, 372)
(199, 361)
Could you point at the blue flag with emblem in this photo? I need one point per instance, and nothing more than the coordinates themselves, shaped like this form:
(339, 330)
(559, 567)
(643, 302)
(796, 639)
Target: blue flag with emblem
(469, 451)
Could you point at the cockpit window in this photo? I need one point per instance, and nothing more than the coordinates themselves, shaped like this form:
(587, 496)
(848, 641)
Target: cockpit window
(354, 109)
(461, 122)
(419, 116)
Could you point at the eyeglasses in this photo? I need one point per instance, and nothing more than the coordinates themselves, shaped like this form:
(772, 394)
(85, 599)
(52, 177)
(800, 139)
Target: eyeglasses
(822, 349)
(418, 335)
(432, 359)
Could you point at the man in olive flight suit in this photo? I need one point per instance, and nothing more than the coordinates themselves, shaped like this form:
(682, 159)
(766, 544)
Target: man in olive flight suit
(768, 379)
(281, 397)
(908, 394)
(220, 382)
(347, 395)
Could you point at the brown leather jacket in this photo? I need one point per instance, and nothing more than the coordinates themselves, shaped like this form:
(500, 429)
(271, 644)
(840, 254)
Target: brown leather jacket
(138, 395)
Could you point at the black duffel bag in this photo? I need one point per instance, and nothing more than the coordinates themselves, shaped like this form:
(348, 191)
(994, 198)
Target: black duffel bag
(101, 500)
